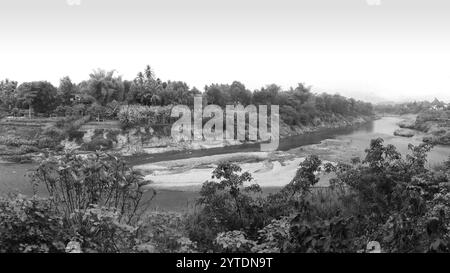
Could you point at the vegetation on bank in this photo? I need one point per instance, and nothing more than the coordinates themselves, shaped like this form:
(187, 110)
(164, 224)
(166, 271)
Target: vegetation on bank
(103, 94)
(143, 104)
(415, 107)
(433, 118)
(98, 204)
(435, 123)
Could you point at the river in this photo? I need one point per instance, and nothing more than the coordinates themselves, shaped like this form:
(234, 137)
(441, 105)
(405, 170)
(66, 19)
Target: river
(359, 136)
(13, 177)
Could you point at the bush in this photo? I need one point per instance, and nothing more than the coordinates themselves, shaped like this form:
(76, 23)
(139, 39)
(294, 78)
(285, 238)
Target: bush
(139, 115)
(226, 205)
(97, 144)
(48, 142)
(25, 149)
(30, 225)
(98, 198)
(166, 232)
(99, 229)
(16, 142)
(19, 158)
(76, 182)
(384, 198)
(75, 135)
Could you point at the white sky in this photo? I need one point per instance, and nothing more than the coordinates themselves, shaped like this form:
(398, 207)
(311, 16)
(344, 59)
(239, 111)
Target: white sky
(395, 51)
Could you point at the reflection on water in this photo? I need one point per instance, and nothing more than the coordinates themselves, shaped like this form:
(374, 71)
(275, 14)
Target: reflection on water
(385, 128)
(316, 137)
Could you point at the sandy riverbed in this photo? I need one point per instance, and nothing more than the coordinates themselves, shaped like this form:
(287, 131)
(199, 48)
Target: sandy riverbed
(267, 169)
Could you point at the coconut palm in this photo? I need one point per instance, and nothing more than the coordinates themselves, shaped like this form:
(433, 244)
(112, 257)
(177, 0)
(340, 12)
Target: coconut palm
(105, 87)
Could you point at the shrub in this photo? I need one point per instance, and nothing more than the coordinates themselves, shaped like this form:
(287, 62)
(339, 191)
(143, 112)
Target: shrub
(166, 232)
(227, 205)
(99, 229)
(97, 144)
(30, 225)
(98, 198)
(233, 241)
(75, 135)
(139, 115)
(16, 142)
(77, 182)
(47, 142)
(25, 149)
(19, 158)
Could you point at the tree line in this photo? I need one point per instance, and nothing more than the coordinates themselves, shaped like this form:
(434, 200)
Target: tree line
(105, 89)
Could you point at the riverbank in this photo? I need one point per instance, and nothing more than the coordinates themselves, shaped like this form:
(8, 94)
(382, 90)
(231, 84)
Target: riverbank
(20, 142)
(433, 124)
(140, 142)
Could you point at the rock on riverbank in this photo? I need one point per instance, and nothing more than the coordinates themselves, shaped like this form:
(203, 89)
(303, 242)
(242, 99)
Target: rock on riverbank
(404, 132)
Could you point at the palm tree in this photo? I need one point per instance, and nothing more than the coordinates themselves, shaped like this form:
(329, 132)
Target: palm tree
(105, 87)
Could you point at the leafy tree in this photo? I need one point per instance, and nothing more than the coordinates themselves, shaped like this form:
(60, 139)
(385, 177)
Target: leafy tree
(104, 86)
(66, 91)
(239, 94)
(145, 88)
(217, 94)
(39, 96)
(267, 95)
(7, 93)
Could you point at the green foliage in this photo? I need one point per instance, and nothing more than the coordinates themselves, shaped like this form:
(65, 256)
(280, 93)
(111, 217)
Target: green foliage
(104, 95)
(19, 158)
(25, 149)
(139, 115)
(166, 232)
(16, 142)
(101, 229)
(104, 86)
(97, 144)
(227, 205)
(77, 182)
(40, 96)
(66, 91)
(96, 201)
(416, 107)
(30, 225)
(7, 93)
(385, 198)
(274, 237)
(233, 241)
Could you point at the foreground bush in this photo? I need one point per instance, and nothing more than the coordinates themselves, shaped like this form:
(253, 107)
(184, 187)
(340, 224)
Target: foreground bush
(77, 182)
(385, 199)
(97, 196)
(226, 205)
(31, 225)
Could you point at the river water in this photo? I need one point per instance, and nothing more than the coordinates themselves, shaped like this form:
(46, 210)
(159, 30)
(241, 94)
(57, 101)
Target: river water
(359, 136)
